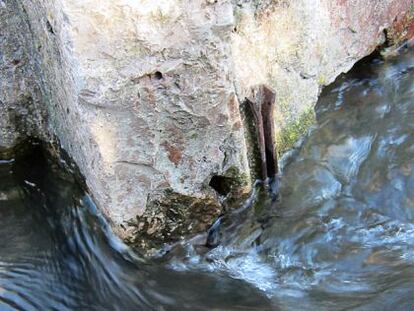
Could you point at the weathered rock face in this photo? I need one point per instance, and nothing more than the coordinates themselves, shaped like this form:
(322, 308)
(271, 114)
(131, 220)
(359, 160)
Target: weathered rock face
(144, 95)
(21, 113)
(141, 95)
(297, 47)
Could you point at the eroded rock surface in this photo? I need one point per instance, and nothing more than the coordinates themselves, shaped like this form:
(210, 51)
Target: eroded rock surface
(145, 95)
(297, 47)
(21, 112)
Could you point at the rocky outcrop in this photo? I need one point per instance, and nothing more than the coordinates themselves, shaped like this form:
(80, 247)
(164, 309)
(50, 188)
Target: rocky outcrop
(145, 95)
(297, 47)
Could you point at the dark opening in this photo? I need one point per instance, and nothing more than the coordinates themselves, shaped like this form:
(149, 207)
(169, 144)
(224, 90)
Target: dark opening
(271, 162)
(222, 185)
(387, 41)
(268, 129)
(158, 75)
(49, 27)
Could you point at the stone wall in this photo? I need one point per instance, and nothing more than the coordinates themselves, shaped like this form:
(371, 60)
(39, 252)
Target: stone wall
(145, 94)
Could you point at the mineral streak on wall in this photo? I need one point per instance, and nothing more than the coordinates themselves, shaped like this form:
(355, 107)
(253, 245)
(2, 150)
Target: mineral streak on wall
(144, 94)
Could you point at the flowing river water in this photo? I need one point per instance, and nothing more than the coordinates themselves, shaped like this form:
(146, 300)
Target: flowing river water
(340, 236)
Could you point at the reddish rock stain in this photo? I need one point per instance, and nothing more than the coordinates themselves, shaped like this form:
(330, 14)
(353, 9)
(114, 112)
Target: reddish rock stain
(174, 154)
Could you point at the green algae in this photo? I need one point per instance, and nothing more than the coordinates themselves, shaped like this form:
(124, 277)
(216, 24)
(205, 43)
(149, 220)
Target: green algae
(294, 130)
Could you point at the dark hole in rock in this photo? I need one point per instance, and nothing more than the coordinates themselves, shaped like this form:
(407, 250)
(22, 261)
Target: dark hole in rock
(387, 39)
(49, 27)
(158, 75)
(222, 185)
(15, 62)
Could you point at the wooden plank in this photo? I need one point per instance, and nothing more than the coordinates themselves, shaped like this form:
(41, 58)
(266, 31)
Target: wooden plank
(268, 97)
(256, 110)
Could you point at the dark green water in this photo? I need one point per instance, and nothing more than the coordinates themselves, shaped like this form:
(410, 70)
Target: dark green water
(341, 236)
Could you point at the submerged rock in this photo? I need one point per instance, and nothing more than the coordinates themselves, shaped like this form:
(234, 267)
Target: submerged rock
(144, 95)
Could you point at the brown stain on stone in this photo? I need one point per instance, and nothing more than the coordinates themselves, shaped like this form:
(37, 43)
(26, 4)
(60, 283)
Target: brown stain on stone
(174, 153)
(410, 31)
(233, 107)
(237, 126)
(402, 28)
(345, 17)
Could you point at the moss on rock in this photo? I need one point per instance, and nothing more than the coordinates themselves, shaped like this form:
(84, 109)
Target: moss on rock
(292, 131)
(171, 217)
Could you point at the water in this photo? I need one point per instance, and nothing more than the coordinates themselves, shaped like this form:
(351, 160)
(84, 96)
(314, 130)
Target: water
(341, 236)
(58, 253)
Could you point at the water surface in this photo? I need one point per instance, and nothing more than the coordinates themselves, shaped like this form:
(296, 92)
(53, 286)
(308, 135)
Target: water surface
(341, 237)
(58, 253)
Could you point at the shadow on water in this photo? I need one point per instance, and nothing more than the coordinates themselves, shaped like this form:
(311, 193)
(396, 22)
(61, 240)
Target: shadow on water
(340, 237)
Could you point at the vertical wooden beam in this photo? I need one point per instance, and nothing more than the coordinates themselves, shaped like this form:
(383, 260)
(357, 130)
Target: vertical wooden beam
(256, 110)
(262, 105)
(268, 108)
